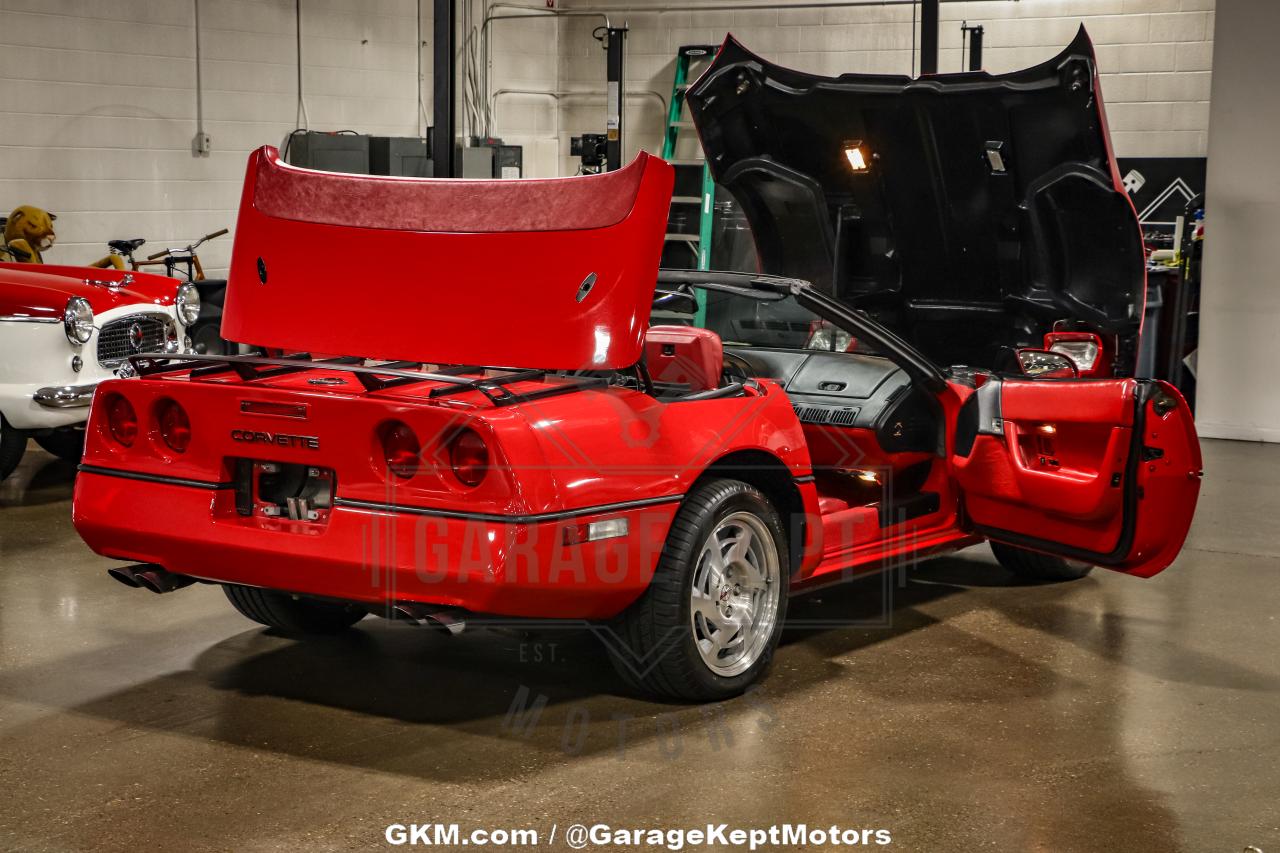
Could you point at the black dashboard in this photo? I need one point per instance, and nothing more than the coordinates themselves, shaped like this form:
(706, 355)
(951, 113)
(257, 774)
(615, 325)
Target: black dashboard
(848, 390)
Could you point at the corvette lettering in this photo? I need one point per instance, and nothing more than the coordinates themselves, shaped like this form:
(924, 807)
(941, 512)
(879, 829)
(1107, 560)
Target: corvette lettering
(280, 439)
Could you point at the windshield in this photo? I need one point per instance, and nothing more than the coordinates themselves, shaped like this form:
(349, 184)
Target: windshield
(743, 321)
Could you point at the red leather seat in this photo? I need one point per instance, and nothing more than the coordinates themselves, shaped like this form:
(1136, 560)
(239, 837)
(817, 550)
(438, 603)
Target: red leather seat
(684, 355)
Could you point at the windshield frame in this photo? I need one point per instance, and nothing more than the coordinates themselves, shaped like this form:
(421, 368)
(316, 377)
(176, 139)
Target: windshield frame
(773, 288)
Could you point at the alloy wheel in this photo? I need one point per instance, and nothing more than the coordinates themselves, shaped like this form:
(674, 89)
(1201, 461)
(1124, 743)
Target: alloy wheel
(734, 595)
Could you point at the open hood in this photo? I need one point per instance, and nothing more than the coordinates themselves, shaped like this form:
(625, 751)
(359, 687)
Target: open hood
(553, 274)
(989, 206)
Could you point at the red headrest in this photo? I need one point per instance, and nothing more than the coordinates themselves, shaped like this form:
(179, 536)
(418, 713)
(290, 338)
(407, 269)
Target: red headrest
(684, 355)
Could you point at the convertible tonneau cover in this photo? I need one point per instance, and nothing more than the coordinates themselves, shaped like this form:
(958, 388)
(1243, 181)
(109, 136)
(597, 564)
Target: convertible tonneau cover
(555, 274)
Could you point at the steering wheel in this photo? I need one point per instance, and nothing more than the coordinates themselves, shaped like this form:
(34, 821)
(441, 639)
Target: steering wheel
(736, 368)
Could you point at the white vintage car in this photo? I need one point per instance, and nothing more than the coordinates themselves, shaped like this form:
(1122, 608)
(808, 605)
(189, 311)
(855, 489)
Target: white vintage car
(64, 329)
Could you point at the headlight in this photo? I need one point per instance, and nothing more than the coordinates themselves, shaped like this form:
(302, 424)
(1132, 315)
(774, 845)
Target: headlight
(77, 319)
(188, 303)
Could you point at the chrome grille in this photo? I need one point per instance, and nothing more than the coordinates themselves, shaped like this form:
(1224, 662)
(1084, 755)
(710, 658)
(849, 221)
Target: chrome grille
(129, 336)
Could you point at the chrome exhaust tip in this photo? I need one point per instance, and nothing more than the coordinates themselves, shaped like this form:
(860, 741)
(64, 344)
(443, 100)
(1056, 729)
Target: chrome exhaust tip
(150, 576)
(449, 619)
(126, 575)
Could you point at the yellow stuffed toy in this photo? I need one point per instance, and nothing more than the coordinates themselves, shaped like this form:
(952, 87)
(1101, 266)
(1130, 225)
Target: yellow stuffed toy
(28, 233)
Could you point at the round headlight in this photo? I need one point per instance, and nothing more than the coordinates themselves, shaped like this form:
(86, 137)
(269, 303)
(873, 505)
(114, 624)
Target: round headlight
(188, 303)
(77, 319)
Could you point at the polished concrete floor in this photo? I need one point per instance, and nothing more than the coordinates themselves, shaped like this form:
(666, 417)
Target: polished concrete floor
(961, 712)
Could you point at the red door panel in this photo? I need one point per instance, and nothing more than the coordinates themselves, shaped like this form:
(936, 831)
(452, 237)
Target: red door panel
(1168, 483)
(1060, 470)
(1066, 444)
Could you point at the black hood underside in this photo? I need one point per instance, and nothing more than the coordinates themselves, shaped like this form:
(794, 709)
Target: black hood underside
(989, 208)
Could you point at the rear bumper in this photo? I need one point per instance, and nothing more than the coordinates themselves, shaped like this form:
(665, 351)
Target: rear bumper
(376, 556)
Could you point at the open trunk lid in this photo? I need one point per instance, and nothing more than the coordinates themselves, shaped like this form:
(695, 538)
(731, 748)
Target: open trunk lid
(988, 208)
(555, 274)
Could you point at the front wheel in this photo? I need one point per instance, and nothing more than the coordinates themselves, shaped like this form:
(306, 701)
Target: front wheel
(1034, 566)
(292, 615)
(708, 624)
(13, 442)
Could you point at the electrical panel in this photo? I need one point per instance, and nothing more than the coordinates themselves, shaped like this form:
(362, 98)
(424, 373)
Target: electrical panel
(329, 152)
(402, 156)
(489, 157)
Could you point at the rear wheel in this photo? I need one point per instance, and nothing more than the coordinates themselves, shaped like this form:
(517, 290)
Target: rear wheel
(292, 615)
(13, 442)
(1032, 565)
(708, 624)
(66, 444)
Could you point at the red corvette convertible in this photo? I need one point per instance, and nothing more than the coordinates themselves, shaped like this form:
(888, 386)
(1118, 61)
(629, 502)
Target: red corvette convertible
(512, 436)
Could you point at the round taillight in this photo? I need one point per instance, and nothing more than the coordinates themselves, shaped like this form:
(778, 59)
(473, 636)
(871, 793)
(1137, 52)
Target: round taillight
(469, 457)
(122, 420)
(400, 449)
(175, 427)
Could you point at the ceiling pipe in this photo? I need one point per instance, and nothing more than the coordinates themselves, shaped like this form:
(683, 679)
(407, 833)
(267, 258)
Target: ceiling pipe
(527, 12)
(200, 145)
(738, 7)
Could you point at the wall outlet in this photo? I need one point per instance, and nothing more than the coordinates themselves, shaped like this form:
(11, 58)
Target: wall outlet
(201, 145)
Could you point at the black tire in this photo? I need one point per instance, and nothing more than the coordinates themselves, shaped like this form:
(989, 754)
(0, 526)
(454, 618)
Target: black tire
(13, 443)
(292, 615)
(1034, 566)
(652, 644)
(66, 444)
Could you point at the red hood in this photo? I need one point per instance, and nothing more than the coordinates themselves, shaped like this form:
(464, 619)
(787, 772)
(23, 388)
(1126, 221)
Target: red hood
(42, 290)
(554, 274)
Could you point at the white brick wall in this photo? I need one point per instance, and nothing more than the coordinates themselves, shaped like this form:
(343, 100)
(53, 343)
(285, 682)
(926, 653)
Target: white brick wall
(99, 105)
(1155, 56)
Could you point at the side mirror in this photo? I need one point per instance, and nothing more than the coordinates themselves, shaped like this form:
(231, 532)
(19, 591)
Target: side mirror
(1045, 364)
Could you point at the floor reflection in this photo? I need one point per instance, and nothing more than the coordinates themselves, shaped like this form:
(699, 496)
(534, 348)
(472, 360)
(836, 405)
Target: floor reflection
(1108, 713)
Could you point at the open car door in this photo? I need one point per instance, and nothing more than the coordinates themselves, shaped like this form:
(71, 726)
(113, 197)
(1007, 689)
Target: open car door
(1102, 471)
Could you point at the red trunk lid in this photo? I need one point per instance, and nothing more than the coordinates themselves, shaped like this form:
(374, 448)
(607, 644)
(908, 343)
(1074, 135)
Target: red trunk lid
(555, 274)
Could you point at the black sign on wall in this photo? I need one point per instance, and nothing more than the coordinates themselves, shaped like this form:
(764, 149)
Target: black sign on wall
(1161, 187)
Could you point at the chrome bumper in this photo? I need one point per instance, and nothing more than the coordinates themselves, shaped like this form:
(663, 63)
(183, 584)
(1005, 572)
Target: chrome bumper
(65, 396)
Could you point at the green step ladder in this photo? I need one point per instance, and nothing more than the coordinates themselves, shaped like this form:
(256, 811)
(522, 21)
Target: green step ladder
(700, 243)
